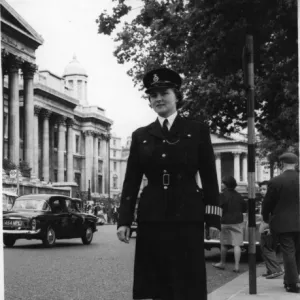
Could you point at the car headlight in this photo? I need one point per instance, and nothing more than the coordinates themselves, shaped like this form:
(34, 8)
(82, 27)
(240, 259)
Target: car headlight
(33, 224)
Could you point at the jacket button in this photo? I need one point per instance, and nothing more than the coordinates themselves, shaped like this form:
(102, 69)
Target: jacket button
(165, 171)
(164, 141)
(163, 155)
(165, 187)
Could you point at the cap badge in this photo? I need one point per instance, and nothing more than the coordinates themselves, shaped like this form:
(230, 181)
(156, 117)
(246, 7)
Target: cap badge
(155, 78)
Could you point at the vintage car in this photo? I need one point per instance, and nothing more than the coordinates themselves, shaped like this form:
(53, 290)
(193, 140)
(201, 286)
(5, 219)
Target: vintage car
(47, 217)
(214, 241)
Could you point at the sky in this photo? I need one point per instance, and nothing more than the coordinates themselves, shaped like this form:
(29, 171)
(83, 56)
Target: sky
(68, 27)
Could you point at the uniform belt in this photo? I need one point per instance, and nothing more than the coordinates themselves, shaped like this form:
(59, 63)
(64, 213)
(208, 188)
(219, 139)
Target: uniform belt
(168, 179)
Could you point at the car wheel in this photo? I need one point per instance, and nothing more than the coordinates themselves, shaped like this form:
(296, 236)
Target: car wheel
(50, 237)
(87, 236)
(9, 241)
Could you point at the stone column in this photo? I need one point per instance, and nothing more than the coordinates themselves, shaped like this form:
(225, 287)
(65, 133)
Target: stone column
(52, 123)
(4, 65)
(14, 115)
(237, 169)
(95, 181)
(46, 115)
(218, 168)
(245, 167)
(61, 149)
(70, 168)
(88, 158)
(35, 164)
(28, 72)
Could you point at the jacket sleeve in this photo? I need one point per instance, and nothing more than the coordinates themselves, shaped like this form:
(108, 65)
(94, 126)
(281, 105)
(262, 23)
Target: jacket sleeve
(269, 201)
(208, 174)
(131, 185)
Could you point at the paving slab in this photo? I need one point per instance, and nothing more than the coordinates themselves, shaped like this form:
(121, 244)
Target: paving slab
(267, 289)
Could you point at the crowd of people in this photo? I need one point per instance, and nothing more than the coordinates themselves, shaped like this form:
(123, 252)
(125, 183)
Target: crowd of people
(109, 212)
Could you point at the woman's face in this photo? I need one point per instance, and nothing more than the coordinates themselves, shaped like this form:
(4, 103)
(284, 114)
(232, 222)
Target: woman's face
(163, 101)
(223, 186)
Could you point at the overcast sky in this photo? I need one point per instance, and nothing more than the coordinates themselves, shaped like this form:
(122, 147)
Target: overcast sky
(68, 27)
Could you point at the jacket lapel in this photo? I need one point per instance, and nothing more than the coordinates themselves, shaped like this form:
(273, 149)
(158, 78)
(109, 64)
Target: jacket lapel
(178, 128)
(155, 129)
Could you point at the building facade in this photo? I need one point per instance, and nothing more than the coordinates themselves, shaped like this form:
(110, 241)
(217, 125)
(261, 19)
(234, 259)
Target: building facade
(47, 120)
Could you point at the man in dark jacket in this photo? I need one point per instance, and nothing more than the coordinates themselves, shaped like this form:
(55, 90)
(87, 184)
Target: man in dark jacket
(282, 202)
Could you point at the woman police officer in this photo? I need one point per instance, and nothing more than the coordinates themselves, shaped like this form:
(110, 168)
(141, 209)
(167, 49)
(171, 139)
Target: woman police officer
(169, 258)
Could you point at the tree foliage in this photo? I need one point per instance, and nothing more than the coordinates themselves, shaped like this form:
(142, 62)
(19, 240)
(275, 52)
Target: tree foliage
(204, 43)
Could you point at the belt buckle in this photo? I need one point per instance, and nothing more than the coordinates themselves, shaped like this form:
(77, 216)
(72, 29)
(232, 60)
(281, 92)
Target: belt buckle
(166, 179)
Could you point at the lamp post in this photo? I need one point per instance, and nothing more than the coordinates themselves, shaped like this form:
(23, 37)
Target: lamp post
(248, 66)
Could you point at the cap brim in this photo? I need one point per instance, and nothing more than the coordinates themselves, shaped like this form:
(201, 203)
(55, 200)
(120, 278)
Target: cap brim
(161, 86)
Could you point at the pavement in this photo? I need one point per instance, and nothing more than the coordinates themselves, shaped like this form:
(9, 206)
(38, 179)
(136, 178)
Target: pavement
(267, 289)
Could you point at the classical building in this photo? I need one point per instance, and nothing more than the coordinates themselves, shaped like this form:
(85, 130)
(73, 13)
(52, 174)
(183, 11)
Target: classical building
(47, 120)
(230, 155)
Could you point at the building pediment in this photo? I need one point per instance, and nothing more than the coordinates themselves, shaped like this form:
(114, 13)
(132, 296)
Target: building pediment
(217, 139)
(17, 36)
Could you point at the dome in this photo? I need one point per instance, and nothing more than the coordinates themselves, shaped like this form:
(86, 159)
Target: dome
(74, 68)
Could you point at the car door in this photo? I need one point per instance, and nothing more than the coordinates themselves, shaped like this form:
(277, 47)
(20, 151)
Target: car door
(61, 218)
(75, 219)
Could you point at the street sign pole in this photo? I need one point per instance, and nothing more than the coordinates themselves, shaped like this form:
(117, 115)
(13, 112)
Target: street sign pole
(18, 184)
(248, 65)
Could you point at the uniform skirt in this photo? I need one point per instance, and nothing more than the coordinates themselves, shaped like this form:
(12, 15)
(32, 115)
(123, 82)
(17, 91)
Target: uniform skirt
(232, 234)
(169, 262)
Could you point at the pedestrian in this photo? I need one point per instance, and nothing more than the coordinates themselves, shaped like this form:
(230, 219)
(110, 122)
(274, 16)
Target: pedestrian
(232, 222)
(169, 257)
(268, 243)
(282, 202)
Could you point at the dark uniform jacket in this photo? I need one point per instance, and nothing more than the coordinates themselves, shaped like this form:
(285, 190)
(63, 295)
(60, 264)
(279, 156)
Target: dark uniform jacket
(282, 202)
(170, 166)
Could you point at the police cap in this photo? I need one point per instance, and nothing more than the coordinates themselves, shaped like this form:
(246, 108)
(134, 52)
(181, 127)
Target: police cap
(161, 78)
(289, 158)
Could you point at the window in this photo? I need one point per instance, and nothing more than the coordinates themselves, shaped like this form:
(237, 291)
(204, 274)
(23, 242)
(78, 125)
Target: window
(115, 182)
(100, 165)
(114, 153)
(99, 148)
(77, 143)
(115, 166)
(114, 142)
(55, 139)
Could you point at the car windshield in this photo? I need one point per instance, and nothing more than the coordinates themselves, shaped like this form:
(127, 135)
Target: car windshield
(31, 204)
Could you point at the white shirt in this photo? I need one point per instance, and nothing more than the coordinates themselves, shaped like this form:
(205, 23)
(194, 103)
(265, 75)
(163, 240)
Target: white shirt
(170, 120)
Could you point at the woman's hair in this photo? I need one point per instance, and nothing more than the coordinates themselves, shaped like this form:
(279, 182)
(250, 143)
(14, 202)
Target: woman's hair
(229, 182)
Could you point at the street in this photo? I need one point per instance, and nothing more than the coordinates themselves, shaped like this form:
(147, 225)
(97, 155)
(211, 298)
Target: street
(71, 270)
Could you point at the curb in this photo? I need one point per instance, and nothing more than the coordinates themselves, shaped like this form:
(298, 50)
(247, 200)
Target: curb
(238, 285)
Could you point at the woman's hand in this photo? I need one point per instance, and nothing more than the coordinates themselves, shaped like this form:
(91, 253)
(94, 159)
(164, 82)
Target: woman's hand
(123, 234)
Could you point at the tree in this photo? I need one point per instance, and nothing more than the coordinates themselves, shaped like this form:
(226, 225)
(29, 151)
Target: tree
(205, 44)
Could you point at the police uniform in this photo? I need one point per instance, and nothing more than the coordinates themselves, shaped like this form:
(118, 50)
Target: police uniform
(169, 258)
(282, 203)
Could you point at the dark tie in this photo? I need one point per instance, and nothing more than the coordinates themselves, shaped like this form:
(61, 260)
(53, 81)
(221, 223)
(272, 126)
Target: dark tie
(165, 128)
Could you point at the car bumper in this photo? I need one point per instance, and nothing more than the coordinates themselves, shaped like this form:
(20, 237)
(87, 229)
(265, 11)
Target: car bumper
(21, 232)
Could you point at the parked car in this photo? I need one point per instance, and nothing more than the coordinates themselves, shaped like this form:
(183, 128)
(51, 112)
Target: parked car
(214, 241)
(47, 217)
